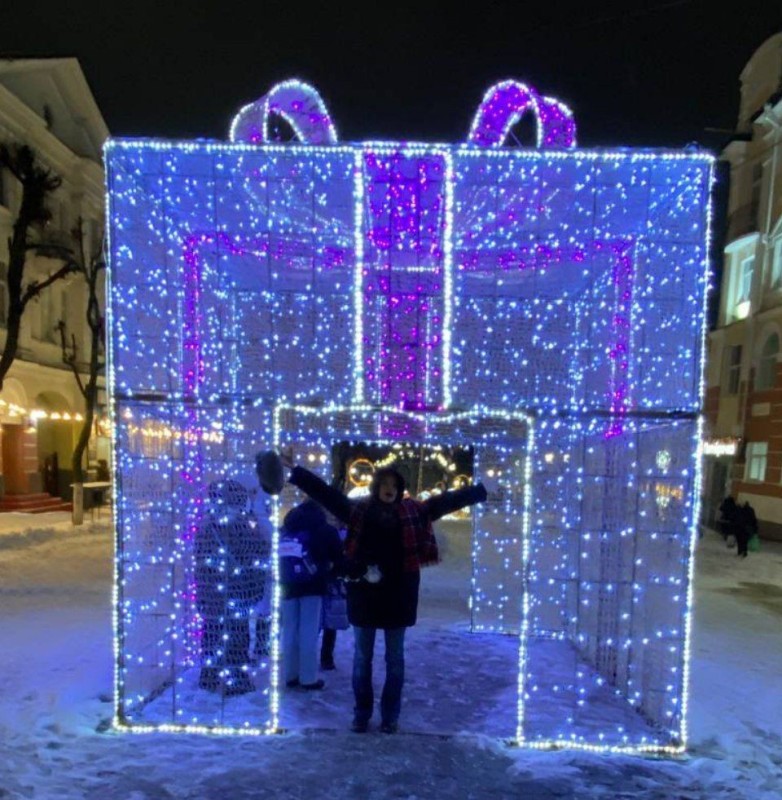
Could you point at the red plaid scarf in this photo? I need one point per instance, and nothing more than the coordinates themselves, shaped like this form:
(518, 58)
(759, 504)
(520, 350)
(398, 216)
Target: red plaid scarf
(418, 542)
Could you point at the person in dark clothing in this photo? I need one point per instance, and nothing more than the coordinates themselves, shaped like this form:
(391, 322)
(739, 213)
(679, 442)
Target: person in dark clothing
(729, 514)
(389, 539)
(309, 550)
(746, 527)
(231, 562)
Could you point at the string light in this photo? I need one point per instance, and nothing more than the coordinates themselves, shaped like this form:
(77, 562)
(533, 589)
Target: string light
(505, 103)
(498, 435)
(422, 294)
(298, 103)
(35, 414)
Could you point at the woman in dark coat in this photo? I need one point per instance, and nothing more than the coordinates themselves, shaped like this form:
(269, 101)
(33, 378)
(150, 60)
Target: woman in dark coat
(728, 521)
(389, 539)
(746, 528)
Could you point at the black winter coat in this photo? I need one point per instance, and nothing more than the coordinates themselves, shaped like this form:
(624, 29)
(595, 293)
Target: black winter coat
(393, 601)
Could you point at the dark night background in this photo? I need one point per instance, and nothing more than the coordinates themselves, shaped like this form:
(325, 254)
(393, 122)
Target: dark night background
(656, 73)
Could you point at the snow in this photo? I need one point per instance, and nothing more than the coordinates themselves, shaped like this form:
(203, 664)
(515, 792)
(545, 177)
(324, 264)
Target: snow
(56, 680)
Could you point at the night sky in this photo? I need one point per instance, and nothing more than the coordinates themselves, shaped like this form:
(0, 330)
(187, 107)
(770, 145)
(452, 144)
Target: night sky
(656, 73)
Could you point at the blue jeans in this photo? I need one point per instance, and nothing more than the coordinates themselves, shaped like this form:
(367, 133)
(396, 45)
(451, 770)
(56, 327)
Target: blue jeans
(300, 625)
(391, 699)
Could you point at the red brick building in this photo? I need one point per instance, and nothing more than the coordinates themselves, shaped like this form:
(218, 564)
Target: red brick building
(743, 443)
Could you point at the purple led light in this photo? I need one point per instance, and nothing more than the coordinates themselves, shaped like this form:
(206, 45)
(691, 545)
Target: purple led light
(623, 274)
(403, 278)
(505, 103)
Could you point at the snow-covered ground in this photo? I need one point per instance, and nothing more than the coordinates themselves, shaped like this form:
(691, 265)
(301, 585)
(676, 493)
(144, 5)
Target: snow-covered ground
(56, 676)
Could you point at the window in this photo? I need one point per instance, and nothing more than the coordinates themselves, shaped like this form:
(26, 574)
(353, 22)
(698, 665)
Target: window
(49, 307)
(745, 278)
(766, 376)
(741, 285)
(755, 466)
(776, 264)
(733, 369)
(63, 312)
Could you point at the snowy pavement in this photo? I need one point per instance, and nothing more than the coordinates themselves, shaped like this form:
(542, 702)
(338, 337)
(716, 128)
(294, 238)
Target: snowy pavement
(56, 677)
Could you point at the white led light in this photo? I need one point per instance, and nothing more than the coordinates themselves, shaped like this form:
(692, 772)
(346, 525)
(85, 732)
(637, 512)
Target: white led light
(358, 276)
(562, 285)
(298, 103)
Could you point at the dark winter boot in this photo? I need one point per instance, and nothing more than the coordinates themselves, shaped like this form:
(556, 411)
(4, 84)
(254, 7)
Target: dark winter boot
(389, 727)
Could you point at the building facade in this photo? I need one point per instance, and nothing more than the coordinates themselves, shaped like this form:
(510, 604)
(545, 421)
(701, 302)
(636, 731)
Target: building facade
(47, 104)
(743, 444)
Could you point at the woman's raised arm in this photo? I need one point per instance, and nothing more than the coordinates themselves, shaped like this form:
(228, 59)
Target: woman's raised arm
(442, 504)
(330, 498)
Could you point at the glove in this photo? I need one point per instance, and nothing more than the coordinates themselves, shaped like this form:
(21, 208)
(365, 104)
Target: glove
(373, 574)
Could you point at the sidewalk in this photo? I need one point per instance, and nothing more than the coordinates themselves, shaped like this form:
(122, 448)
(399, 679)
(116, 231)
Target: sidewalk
(20, 531)
(18, 521)
(719, 566)
(755, 580)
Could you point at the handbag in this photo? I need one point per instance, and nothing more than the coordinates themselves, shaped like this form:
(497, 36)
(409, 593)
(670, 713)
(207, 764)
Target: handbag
(335, 607)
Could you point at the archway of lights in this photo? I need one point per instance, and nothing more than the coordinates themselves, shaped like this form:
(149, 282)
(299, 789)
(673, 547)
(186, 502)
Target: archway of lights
(544, 306)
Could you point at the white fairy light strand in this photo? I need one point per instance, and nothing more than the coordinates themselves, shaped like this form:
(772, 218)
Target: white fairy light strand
(298, 335)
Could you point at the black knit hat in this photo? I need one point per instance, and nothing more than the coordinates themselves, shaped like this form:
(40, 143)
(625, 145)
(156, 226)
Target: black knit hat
(268, 468)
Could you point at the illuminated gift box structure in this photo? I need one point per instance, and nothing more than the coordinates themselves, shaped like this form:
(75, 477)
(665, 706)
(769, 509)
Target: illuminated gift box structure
(542, 306)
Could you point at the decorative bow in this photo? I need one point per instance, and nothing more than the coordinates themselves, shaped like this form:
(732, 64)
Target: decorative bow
(503, 105)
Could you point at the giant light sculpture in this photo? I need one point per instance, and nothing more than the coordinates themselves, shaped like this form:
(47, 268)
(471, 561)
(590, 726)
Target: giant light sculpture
(543, 305)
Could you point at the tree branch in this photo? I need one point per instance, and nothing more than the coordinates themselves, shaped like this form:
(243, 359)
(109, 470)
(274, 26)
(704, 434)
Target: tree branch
(35, 288)
(70, 358)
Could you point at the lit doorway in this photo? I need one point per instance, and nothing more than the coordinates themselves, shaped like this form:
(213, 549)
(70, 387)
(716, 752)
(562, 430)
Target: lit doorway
(470, 605)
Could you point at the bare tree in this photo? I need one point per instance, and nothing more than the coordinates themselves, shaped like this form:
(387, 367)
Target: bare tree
(37, 184)
(90, 269)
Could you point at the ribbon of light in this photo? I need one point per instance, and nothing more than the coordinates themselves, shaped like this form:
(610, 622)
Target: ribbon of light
(505, 103)
(298, 103)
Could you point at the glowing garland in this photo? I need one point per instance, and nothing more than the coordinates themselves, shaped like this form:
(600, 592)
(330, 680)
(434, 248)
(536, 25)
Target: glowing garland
(615, 316)
(380, 426)
(36, 414)
(358, 277)
(505, 103)
(298, 103)
(697, 465)
(448, 281)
